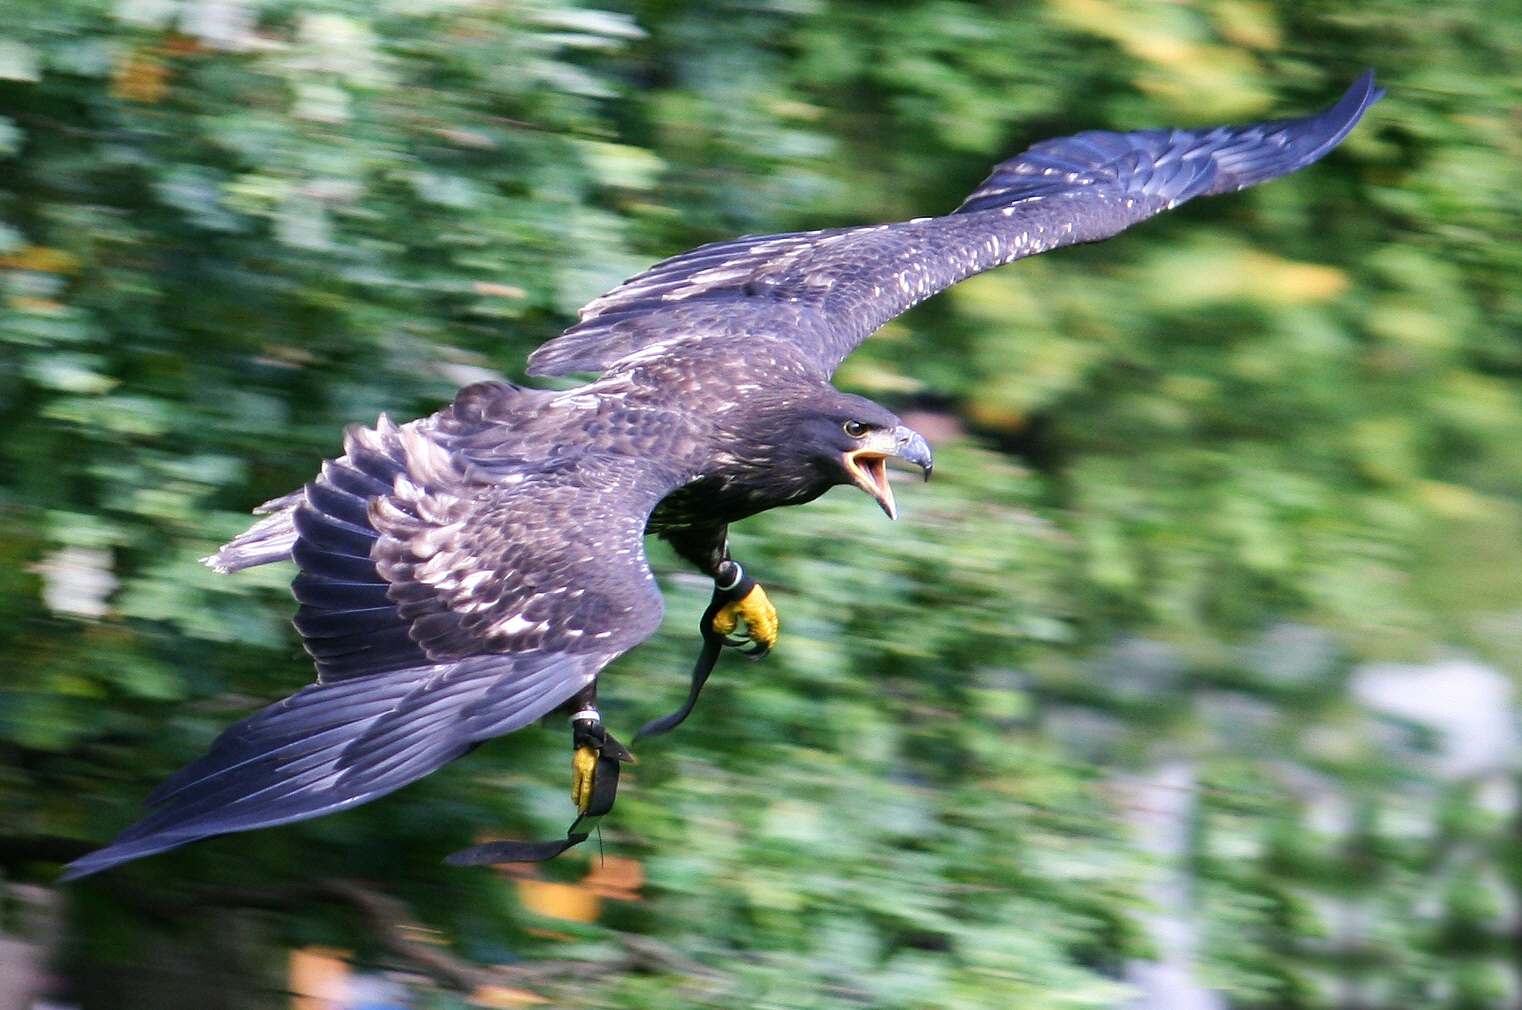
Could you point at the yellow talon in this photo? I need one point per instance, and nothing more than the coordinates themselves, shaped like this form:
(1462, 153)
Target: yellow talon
(583, 777)
(756, 610)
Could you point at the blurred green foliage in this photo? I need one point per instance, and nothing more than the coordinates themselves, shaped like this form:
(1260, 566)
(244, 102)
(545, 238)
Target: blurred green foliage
(1196, 475)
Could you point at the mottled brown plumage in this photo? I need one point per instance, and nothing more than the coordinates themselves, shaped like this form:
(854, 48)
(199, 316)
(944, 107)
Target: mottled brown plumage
(467, 573)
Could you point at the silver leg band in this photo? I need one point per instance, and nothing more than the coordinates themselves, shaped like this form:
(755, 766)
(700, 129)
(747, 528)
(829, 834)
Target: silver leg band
(739, 577)
(587, 715)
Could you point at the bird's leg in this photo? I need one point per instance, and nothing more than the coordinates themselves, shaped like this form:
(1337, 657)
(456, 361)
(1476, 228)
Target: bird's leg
(739, 600)
(739, 604)
(736, 598)
(594, 765)
(594, 785)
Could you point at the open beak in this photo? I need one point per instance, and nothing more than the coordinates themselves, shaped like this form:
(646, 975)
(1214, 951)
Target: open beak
(868, 467)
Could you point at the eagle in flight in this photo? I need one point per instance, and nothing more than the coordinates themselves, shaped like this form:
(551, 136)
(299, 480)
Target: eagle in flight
(466, 574)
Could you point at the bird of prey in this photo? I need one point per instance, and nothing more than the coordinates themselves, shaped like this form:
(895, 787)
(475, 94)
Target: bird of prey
(468, 573)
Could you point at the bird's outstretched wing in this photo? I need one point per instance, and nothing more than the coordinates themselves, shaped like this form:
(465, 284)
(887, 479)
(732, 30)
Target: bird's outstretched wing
(831, 289)
(445, 601)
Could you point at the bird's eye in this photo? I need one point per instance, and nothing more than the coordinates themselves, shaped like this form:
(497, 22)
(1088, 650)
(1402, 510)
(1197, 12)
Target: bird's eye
(855, 429)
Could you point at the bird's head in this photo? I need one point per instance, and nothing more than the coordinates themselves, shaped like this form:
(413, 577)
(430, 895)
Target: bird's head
(851, 439)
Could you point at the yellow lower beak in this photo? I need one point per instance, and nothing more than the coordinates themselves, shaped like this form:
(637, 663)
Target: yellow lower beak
(869, 470)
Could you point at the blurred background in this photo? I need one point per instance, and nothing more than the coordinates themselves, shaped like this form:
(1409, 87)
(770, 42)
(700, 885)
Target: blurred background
(1186, 684)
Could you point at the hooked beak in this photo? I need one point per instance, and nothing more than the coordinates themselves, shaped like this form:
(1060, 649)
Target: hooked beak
(867, 464)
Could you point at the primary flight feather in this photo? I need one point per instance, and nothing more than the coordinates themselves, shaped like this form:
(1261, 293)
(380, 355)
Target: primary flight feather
(467, 573)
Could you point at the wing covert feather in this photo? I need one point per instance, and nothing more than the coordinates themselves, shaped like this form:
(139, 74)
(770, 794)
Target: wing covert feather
(460, 557)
